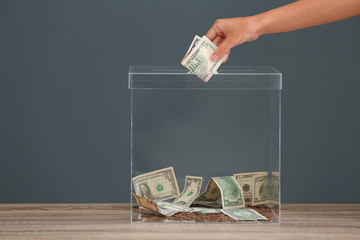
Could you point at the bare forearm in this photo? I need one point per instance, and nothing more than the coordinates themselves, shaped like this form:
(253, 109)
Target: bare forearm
(227, 33)
(305, 13)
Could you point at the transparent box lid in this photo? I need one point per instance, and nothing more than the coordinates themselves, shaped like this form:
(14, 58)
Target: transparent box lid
(228, 77)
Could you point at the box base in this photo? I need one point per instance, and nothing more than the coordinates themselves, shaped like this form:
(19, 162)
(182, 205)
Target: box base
(271, 212)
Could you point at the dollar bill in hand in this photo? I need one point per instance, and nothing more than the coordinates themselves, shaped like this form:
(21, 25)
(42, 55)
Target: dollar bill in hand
(198, 58)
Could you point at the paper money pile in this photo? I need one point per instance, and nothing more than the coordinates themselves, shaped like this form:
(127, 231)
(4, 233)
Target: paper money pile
(198, 58)
(228, 194)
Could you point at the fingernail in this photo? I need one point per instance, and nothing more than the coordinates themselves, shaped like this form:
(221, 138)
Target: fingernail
(215, 57)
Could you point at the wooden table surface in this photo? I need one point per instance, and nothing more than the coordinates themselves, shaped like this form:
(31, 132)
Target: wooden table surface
(112, 221)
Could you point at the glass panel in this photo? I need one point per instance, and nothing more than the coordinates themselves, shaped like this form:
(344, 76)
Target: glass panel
(233, 127)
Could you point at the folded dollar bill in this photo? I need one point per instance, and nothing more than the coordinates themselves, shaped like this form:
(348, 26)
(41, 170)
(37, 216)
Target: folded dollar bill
(246, 181)
(261, 190)
(226, 188)
(153, 206)
(255, 186)
(191, 190)
(198, 58)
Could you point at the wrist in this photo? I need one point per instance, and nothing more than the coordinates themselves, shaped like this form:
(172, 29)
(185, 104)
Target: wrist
(258, 24)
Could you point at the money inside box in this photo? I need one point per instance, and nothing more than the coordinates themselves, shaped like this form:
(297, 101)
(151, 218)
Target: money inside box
(205, 151)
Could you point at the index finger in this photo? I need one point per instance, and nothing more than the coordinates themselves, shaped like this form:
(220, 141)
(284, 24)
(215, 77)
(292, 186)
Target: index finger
(211, 34)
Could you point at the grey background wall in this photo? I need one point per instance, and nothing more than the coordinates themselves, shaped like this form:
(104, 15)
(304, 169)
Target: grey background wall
(65, 106)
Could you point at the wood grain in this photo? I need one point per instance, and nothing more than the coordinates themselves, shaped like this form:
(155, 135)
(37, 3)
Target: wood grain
(112, 221)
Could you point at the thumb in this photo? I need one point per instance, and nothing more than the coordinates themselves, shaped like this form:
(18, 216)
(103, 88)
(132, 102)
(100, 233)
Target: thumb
(224, 47)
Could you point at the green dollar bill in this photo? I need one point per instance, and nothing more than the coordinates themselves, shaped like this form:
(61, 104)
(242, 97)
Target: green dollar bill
(173, 206)
(226, 188)
(243, 214)
(157, 185)
(192, 45)
(211, 194)
(198, 58)
(275, 188)
(161, 207)
(261, 190)
(154, 206)
(231, 192)
(191, 190)
(206, 210)
(246, 181)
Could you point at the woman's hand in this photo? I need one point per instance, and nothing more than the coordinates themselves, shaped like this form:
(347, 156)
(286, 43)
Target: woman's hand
(227, 33)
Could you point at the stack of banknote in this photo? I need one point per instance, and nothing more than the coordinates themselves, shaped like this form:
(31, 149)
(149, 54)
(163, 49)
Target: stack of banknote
(227, 194)
(198, 58)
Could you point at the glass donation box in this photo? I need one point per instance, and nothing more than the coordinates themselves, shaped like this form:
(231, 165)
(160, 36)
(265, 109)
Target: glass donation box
(205, 151)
